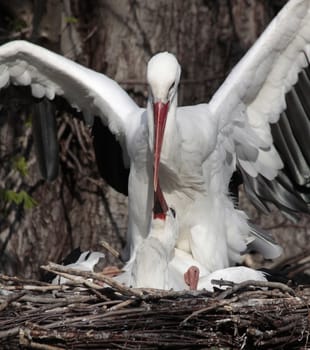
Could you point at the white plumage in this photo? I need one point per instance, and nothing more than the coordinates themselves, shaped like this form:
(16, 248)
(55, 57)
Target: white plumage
(149, 267)
(236, 274)
(157, 264)
(202, 144)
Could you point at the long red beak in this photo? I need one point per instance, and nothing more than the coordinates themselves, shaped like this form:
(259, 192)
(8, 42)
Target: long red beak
(160, 117)
(160, 205)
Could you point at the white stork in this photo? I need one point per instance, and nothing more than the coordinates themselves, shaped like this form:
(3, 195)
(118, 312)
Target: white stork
(194, 150)
(158, 264)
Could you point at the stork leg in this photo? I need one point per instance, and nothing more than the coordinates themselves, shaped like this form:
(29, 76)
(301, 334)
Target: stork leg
(191, 277)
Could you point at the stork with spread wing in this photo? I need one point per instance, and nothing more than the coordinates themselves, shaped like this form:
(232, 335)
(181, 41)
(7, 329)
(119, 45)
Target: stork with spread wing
(188, 154)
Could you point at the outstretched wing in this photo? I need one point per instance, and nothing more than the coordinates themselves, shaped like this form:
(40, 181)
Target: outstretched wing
(271, 80)
(49, 74)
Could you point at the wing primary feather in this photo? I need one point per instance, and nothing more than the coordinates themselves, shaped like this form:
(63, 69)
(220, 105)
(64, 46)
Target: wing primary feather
(264, 243)
(109, 157)
(298, 113)
(298, 165)
(252, 191)
(283, 148)
(276, 193)
(302, 89)
(45, 138)
(301, 191)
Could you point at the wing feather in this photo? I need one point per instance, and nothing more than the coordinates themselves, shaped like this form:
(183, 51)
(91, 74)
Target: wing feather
(271, 80)
(49, 74)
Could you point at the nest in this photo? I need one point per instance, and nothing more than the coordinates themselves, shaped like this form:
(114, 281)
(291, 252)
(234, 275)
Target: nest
(95, 312)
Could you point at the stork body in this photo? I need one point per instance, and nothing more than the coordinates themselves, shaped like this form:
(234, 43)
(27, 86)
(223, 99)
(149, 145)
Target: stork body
(193, 151)
(189, 188)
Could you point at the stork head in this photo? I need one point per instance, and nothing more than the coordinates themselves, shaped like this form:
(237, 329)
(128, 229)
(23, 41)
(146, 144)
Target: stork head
(163, 76)
(166, 230)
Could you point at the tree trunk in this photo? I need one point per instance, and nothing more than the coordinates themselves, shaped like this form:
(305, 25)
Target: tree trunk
(117, 38)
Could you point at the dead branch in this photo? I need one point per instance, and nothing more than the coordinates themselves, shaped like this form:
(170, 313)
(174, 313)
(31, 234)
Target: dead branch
(60, 269)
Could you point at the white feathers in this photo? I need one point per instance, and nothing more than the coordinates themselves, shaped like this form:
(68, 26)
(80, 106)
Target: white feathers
(50, 92)
(232, 274)
(256, 87)
(17, 69)
(50, 74)
(157, 264)
(37, 90)
(22, 79)
(166, 65)
(149, 268)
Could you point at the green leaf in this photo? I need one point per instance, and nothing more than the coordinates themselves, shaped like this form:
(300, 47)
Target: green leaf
(21, 166)
(28, 201)
(71, 20)
(9, 196)
(28, 121)
(21, 197)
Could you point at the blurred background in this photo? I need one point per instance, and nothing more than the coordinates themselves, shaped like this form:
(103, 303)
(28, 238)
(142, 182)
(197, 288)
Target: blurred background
(43, 221)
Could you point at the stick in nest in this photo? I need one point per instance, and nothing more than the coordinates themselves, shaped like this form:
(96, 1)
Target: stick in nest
(261, 284)
(110, 249)
(55, 268)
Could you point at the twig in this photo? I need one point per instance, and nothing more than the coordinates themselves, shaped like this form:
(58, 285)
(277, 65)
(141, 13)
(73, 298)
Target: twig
(77, 125)
(55, 268)
(292, 260)
(246, 284)
(121, 305)
(35, 288)
(51, 299)
(76, 280)
(10, 299)
(26, 341)
(110, 249)
(90, 34)
(99, 295)
(22, 281)
(9, 332)
(151, 294)
(206, 309)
